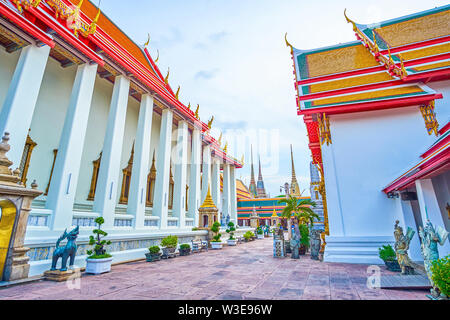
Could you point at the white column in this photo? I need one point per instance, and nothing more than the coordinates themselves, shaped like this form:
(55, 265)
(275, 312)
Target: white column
(61, 195)
(206, 171)
(233, 195)
(215, 182)
(194, 184)
(141, 163)
(18, 109)
(180, 167)
(161, 199)
(226, 191)
(429, 209)
(109, 172)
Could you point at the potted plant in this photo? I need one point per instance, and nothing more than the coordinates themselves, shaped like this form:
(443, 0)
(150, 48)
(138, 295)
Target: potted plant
(99, 261)
(185, 249)
(248, 235)
(153, 254)
(440, 270)
(169, 245)
(216, 243)
(259, 233)
(231, 240)
(304, 240)
(387, 254)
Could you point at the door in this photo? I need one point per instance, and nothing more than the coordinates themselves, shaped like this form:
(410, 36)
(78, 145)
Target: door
(7, 218)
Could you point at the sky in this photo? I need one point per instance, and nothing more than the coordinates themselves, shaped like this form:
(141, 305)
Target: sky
(230, 57)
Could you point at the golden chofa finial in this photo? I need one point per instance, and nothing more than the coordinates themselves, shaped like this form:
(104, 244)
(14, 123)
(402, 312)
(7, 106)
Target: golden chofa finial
(225, 149)
(350, 21)
(242, 159)
(166, 79)
(148, 41)
(189, 106)
(178, 92)
(157, 58)
(288, 44)
(220, 139)
(196, 112)
(210, 122)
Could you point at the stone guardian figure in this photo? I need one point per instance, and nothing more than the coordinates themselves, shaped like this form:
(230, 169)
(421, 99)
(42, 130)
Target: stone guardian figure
(430, 240)
(401, 248)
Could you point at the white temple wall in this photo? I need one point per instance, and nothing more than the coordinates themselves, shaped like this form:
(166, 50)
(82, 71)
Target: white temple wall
(95, 136)
(441, 186)
(48, 120)
(369, 150)
(8, 62)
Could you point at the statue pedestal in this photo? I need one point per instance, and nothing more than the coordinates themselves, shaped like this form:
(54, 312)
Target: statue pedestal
(60, 276)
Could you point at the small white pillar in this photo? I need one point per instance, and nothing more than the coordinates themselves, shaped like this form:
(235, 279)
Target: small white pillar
(18, 109)
(206, 171)
(226, 191)
(194, 183)
(233, 195)
(141, 163)
(61, 195)
(180, 163)
(430, 210)
(109, 172)
(215, 182)
(161, 199)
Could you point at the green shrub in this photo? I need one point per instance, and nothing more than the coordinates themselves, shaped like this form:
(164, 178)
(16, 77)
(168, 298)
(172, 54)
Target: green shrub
(154, 250)
(304, 233)
(99, 251)
(441, 275)
(169, 242)
(216, 228)
(259, 230)
(231, 229)
(249, 235)
(185, 246)
(387, 253)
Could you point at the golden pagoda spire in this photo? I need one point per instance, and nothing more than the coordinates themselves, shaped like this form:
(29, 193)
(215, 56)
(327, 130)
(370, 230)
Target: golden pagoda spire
(295, 188)
(209, 202)
(274, 215)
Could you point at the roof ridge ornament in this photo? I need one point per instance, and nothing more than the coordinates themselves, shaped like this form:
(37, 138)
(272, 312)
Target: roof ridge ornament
(210, 122)
(178, 92)
(196, 112)
(166, 79)
(148, 40)
(288, 44)
(157, 58)
(355, 28)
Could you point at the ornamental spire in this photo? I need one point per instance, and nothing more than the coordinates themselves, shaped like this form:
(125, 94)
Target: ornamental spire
(295, 189)
(209, 202)
(252, 186)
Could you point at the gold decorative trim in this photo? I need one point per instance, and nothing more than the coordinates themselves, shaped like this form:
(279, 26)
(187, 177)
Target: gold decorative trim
(126, 179)
(429, 116)
(55, 153)
(171, 189)
(95, 170)
(151, 178)
(26, 158)
(324, 129)
(26, 4)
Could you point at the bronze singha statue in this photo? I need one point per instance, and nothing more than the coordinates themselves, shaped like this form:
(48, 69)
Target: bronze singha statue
(66, 252)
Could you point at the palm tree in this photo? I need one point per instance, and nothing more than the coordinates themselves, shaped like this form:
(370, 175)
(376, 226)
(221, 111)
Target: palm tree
(300, 210)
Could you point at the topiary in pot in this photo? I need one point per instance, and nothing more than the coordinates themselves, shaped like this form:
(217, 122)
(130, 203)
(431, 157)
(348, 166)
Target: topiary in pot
(154, 254)
(169, 245)
(260, 233)
(440, 270)
(231, 229)
(387, 254)
(185, 249)
(99, 261)
(216, 242)
(248, 235)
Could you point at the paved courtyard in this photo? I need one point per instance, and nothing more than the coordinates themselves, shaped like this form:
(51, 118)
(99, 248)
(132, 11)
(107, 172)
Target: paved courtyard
(247, 271)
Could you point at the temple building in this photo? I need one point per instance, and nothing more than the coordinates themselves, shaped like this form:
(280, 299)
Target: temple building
(377, 114)
(93, 120)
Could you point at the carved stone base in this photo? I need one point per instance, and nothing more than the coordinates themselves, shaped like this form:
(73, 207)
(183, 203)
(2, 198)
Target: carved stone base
(18, 267)
(60, 276)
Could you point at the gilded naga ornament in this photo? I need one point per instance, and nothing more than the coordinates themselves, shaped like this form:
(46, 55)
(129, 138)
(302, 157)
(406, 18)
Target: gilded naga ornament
(431, 237)
(196, 112)
(210, 122)
(402, 242)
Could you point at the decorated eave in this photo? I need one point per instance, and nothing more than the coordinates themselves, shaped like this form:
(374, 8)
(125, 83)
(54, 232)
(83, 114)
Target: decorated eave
(386, 67)
(86, 41)
(434, 161)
